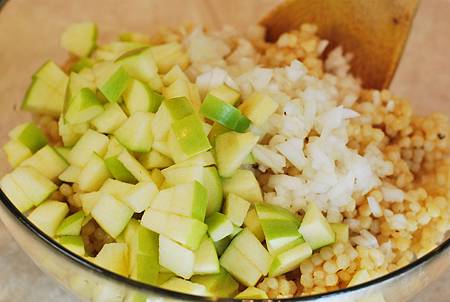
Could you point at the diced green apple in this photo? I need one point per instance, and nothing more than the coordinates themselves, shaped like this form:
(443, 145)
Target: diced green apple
(140, 98)
(48, 216)
(258, 108)
(80, 38)
(113, 81)
(135, 133)
(222, 244)
(236, 209)
(168, 55)
(213, 184)
(174, 74)
(188, 200)
(216, 130)
(133, 166)
(118, 170)
(268, 211)
(162, 147)
(71, 225)
(63, 152)
(71, 174)
(178, 108)
(139, 64)
(76, 82)
(239, 266)
(47, 161)
(93, 174)
(203, 159)
(53, 76)
(74, 244)
(223, 113)
(90, 142)
(114, 257)
(111, 214)
(157, 177)
(206, 260)
(146, 269)
(29, 135)
(187, 231)
(249, 245)
(110, 119)
(83, 107)
(81, 64)
(176, 258)
(280, 234)
(226, 94)
(180, 175)
(251, 293)
(252, 223)
(219, 226)
(290, 259)
(16, 152)
(244, 184)
(190, 135)
(341, 230)
(315, 228)
(114, 148)
(89, 200)
(155, 159)
(116, 188)
(220, 285)
(36, 186)
(71, 133)
(231, 150)
(15, 193)
(184, 286)
(140, 196)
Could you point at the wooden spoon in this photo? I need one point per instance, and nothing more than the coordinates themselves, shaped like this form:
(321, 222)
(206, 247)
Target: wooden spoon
(374, 31)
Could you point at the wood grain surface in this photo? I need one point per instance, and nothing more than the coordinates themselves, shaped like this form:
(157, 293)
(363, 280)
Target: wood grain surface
(29, 34)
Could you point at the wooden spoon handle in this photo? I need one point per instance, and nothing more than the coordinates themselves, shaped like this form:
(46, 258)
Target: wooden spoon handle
(375, 31)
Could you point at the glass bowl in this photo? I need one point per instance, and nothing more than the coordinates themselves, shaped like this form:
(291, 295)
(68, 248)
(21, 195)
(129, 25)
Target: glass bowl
(29, 34)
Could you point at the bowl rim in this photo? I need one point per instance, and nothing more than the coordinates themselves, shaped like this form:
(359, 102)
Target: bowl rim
(78, 260)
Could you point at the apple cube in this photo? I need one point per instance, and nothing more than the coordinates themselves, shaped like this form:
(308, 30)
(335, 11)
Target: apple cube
(176, 258)
(80, 38)
(16, 152)
(116, 188)
(118, 170)
(83, 107)
(93, 174)
(133, 166)
(213, 184)
(140, 196)
(71, 174)
(114, 257)
(71, 225)
(220, 284)
(140, 98)
(232, 148)
(258, 108)
(239, 266)
(91, 142)
(36, 186)
(236, 209)
(290, 259)
(175, 73)
(112, 80)
(184, 286)
(187, 231)
(315, 228)
(168, 55)
(252, 223)
(111, 214)
(48, 216)
(341, 230)
(155, 159)
(139, 64)
(47, 161)
(74, 244)
(180, 175)
(188, 200)
(219, 226)
(110, 119)
(15, 193)
(135, 133)
(251, 293)
(206, 260)
(244, 184)
(29, 135)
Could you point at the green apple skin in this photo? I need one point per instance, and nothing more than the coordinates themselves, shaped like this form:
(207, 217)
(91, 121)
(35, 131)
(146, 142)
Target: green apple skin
(83, 107)
(226, 94)
(179, 108)
(315, 228)
(252, 293)
(258, 108)
(190, 135)
(71, 225)
(140, 98)
(244, 184)
(252, 223)
(213, 184)
(114, 257)
(341, 230)
(290, 259)
(219, 111)
(118, 170)
(133, 165)
(111, 214)
(48, 216)
(220, 284)
(115, 85)
(29, 135)
(273, 212)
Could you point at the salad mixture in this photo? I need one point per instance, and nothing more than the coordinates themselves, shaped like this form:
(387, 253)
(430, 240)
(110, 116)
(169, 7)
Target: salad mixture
(218, 164)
